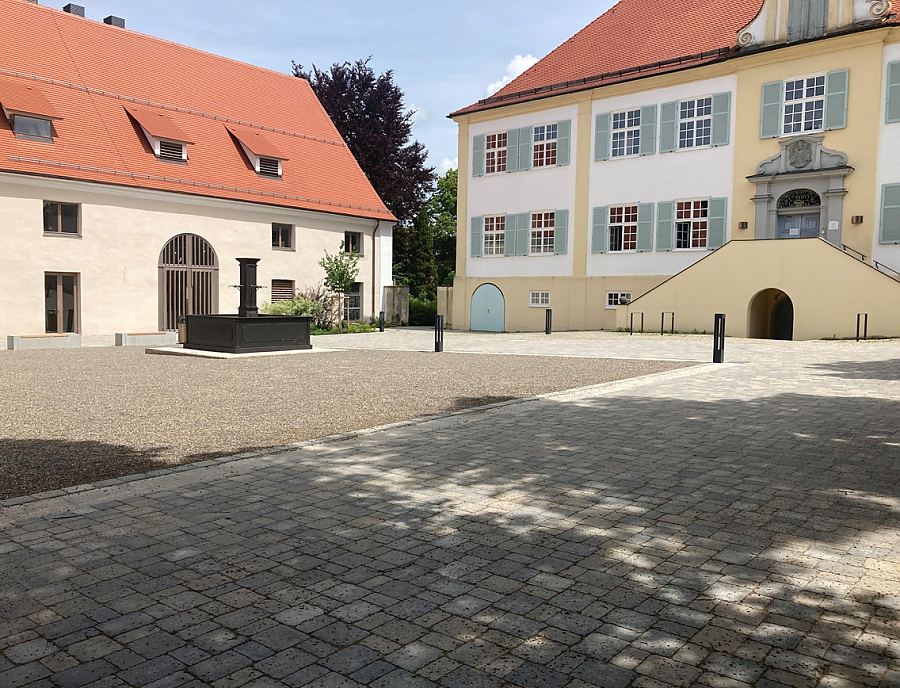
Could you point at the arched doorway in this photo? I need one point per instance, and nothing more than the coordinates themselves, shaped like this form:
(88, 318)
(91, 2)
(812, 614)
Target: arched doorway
(771, 315)
(488, 309)
(188, 279)
(799, 214)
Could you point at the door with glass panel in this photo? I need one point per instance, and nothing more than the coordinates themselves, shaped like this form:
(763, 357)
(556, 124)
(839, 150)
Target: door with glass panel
(60, 302)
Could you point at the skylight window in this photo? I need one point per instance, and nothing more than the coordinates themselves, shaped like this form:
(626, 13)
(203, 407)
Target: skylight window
(32, 128)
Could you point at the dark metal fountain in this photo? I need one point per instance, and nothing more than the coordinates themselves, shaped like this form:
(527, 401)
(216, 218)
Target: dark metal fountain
(248, 331)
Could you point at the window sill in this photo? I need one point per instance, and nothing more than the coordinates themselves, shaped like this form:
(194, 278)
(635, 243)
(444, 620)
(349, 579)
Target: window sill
(690, 250)
(493, 255)
(282, 248)
(803, 133)
(63, 234)
(541, 255)
(628, 251)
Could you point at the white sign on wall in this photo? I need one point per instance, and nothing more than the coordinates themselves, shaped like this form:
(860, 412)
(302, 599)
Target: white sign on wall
(833, 224)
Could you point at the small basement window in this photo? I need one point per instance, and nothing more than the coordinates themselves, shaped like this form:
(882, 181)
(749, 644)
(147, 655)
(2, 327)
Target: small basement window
(270, 167)
(540, 298)
(171, 150)
(33, 128)
(616, 298)
(282, 290)
(60, 218)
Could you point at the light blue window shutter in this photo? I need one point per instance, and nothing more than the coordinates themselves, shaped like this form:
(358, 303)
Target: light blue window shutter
(477, 236)
(715, 236)
(665, 225)
(798, 19)
(563, 142)
(770, 112)
(523, 233)
(561, 232)
(509, 236)
(721, 119)
(478, 156)
(836, 86)
(890, 214)
(645, 227)
(598, 235)
(817, 22)
(601, 137)
(668, 126)
(512, 150)
(526, 138)
(648, 130)
(892, 109)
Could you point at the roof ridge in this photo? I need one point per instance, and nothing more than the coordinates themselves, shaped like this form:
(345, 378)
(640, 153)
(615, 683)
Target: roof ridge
(163, 106)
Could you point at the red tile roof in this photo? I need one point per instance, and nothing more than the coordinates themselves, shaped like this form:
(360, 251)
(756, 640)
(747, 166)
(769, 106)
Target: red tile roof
(90, 72)
(17, 96)
(157, 123)
(634, 36)
(256, 142)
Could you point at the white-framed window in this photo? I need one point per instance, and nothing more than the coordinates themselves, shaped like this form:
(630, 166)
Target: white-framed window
(544, 152)
(694, 123)
(804, 104)
(539, 298)
(494, 235)
(495, 153)
(542, 224)
(623, 228)
(614, 298)
(625, 129)
(691, 223)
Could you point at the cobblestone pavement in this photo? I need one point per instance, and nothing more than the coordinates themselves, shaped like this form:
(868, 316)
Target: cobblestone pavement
(720, 525)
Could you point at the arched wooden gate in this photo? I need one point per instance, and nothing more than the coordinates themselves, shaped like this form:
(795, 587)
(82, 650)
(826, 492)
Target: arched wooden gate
(188, 279)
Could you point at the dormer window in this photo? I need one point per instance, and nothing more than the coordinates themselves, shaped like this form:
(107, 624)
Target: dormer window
(165, 137)
(28, 112)
(265, 158)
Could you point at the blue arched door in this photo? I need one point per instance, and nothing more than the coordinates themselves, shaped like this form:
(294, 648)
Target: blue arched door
(488, 309)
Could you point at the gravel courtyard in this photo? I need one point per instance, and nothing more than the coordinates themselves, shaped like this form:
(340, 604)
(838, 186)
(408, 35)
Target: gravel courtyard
(69, 417)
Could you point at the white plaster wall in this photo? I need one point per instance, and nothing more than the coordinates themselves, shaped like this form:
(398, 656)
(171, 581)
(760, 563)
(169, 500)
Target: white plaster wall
(888, 171)
(386, 268)
(550, 188)
(123, 232)
(695, 173)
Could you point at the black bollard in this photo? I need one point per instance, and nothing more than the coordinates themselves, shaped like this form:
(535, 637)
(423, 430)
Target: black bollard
(381, 321)
(548, 322)
(719, 339)
(438, 333)
(865, 329)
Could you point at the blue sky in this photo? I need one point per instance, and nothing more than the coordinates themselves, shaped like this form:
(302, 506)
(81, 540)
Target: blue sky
(444, 54)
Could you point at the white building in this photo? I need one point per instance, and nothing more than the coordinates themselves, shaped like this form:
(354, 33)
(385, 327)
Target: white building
(134, 171)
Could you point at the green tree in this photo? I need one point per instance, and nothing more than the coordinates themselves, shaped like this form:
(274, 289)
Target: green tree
(341, 270)
(442, 212)
(420, 270)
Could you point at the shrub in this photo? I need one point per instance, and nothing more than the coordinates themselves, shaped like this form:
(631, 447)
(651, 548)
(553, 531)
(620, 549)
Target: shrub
(422, 311)
(299, 305)
(328, 314)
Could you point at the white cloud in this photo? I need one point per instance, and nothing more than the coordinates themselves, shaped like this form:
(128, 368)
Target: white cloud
(420, 115)
(447, 164)
(516, 66)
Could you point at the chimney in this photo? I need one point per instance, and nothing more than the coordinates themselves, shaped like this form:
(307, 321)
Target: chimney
(77, 10)
(115, 21)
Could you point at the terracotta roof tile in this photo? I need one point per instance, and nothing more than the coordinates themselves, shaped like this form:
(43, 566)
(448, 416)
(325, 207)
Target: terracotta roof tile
(16, 96)
(90, 72)
(256, 142)
(157, 123)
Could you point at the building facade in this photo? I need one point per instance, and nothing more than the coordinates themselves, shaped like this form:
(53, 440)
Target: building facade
(740, 159)
(134, 171)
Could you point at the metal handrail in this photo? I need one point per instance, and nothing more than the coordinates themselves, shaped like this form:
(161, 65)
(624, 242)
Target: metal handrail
(847, 249)
(883, 267)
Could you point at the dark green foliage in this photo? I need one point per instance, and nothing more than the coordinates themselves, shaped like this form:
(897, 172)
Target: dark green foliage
(442, 210)
(422, 311)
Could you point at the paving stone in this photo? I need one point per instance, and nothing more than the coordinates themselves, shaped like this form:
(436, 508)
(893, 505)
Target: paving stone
(151, 671)
(30, 651)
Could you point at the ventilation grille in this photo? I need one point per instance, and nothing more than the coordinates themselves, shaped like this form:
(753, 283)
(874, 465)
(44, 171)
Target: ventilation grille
(170, 150)
(282, 290)
(269, 167)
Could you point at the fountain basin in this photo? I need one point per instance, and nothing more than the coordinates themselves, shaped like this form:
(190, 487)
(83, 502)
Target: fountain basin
(237, 334)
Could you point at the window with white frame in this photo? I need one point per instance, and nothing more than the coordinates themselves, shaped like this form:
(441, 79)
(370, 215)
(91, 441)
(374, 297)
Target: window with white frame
(494, 233)
(694, 123)
(540, 298)
(804, 104)
(544, 152)
(623, 228)
(691, 224)
(614, 298)
(626, 133)
(542, 225)
(495, 153)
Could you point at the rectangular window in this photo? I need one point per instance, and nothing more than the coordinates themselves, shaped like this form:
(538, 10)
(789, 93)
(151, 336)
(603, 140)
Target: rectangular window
(32, 128)
(544, 154)
(623, 228)
(694, 123)
(60, 218)
(282, 290)
(353, 242)
(354, 302)
(804, 105)
(60, 302)
(626, 133)
(615, 298)
(495, 153)
(494, 235)
(282, 236)
(540, 298)
(691, 224)
(542, 225)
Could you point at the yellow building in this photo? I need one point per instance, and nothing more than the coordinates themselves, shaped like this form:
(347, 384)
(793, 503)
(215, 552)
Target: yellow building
(725, 156)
